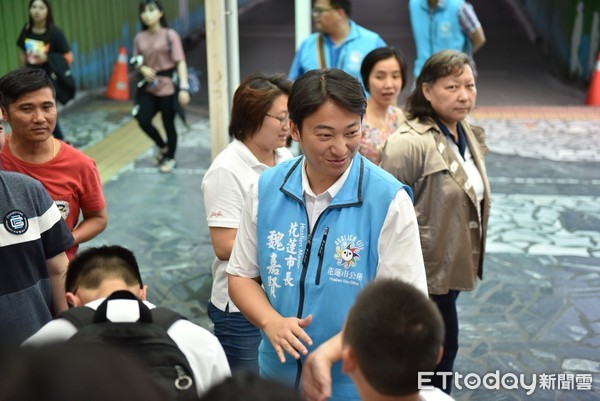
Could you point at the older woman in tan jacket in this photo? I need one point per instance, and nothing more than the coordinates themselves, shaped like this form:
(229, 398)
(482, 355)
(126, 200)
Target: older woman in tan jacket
(440, 155)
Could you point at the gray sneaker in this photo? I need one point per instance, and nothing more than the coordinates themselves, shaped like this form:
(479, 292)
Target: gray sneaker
(167, 166)
(161, 155)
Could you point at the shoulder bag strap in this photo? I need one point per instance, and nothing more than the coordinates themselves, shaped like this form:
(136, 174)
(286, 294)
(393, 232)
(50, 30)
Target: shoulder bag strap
(321, 52)
(169, 42)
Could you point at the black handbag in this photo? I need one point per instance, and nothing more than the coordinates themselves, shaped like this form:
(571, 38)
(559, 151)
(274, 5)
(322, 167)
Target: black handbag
(62, 77)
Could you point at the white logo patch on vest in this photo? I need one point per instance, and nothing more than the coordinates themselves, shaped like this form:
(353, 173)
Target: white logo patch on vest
(347, 256)
(347, 250)
(16, 222)
(355, 60)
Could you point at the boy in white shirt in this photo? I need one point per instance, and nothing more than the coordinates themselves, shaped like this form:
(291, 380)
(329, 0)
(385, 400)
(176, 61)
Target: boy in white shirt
(95, 274)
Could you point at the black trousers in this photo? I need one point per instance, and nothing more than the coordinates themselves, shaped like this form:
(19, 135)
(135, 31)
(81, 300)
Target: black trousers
(447, 305)
(148, 106)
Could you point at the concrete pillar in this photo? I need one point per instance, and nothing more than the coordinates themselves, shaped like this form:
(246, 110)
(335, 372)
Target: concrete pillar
(233, 47)
(218, 75)
(303, 21)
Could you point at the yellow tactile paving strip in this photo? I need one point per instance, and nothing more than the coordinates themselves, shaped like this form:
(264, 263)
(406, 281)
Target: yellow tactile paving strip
(120, 148)
(570, 113)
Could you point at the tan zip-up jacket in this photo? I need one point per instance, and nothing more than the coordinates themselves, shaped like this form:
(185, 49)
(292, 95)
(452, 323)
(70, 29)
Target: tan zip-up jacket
(452, 234)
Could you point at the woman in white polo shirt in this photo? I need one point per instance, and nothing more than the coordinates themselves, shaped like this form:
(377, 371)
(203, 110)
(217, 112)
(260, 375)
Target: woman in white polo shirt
(259, 128)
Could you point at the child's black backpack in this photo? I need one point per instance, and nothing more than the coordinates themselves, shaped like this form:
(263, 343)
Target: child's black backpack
(146, 340)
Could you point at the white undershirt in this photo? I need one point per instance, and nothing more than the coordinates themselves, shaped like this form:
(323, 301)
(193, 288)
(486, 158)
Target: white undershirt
(474, 177)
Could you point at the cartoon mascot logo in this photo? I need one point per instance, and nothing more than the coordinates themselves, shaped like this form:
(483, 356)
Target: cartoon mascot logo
(347, 252)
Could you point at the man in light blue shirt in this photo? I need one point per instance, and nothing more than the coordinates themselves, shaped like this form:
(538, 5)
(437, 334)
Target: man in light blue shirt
(444, 24)
(344, 43)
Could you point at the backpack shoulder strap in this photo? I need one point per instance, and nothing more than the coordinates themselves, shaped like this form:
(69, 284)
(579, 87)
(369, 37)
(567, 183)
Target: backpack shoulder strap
(79, 317)
(101, 312)
(164, 317)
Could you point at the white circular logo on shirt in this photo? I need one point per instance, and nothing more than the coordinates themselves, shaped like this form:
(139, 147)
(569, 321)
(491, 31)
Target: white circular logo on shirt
(16, 222)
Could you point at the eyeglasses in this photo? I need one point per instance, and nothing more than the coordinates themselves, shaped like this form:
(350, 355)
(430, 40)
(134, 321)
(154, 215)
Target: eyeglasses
(317, 11)
(282, 120)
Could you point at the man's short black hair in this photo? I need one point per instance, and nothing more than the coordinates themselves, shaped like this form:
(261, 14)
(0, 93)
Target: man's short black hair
(16, 83)
(249, 386)
(395, 331)
(346, 5)
(315, 87)
(93, 265)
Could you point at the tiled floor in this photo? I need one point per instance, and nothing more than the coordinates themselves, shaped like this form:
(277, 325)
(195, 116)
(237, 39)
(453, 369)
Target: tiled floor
(572, 113)
(536, 311)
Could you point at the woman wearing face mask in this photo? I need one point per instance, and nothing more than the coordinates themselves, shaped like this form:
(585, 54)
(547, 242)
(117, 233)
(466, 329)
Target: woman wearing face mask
(383, 72)
(43, 45)
(259, 127)
(440, 155)
(162, 56)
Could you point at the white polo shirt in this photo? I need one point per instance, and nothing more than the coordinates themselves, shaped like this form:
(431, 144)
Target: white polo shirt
(225, 186)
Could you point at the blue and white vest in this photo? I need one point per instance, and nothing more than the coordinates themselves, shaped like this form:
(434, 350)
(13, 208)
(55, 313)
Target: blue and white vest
(319, 272)
(436, 31)
(351, 52)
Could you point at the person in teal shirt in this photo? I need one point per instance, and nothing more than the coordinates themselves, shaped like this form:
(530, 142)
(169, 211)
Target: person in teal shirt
(344, 43)
(444, 24)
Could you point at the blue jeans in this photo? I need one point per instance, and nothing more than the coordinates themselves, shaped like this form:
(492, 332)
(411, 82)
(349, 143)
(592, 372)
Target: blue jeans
(239, 338)
(447, 305)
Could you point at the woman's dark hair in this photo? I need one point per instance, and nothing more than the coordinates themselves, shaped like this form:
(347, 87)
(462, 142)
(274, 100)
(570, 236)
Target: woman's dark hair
(315, 87)
(157, 4)
(375, 56)
(439, 65)
(252, 100)
(49, 17)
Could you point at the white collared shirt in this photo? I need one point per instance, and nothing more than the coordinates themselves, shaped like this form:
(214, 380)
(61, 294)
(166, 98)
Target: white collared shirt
(399, 246)
(316, 204)
(225, 187)
(473, 175)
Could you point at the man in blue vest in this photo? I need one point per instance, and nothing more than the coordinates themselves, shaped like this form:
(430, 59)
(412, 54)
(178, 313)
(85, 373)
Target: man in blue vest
(338, 43)
(315, 230)
(444, 24)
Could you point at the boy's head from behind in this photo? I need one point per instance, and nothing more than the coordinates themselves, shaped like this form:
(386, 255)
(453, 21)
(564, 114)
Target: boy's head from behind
(74, 372)
(249, 386)
(393, 331)
(97, 272)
